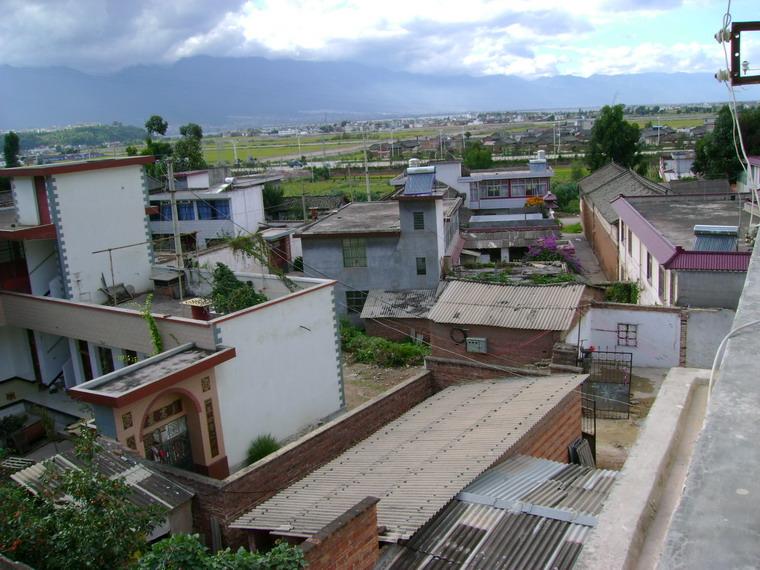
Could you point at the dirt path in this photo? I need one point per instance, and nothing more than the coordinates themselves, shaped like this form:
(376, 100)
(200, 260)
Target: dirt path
(363, 382)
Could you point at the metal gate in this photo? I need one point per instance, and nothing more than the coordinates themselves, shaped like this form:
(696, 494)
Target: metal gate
(609, 382)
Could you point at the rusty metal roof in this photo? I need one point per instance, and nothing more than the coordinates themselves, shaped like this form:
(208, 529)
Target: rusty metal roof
(406, 304)
(535, 307)
(524, 513)
(419, 462)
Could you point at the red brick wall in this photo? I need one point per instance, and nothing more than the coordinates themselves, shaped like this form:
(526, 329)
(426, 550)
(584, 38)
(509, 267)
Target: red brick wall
(403, 328)
(451, 371)
(348, 543)
(601, 242)
(506, 347)
(551, 437)
(226, 500)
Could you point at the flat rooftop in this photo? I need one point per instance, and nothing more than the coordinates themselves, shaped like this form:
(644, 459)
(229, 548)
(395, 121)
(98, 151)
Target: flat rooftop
(419, 462)
(675, 216)
(359, 217)
(76, 166)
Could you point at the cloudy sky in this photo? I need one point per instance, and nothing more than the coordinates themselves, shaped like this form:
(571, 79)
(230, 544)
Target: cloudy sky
(477, 37)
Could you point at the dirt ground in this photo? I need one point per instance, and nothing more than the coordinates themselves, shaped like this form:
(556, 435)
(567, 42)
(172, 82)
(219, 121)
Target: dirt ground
(615, 438)
(365, 381)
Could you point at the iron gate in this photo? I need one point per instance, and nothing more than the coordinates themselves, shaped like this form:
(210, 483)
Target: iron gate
(609, 382)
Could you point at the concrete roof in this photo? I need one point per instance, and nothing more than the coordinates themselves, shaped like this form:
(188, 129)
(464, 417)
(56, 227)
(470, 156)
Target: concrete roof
(674, 216)
(359, 217)
(524, 513)
(76, 166)
(535, 307)
(419, 462)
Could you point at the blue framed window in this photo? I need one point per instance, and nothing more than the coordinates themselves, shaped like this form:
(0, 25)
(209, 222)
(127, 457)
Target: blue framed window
(213, 209)
(166, 211)
(185, 210)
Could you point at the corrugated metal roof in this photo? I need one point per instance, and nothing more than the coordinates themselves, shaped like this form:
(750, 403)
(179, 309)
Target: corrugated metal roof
(537, 307)
(709, 261)
(148, 487)
(471, 534)
(407, 304)
(419, 462)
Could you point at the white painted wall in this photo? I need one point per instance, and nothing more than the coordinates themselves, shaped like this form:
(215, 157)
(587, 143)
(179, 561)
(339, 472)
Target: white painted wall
(286, 374)
(633, 268)
(247, 207)
(659, 334)
(198, 180)
(705, 330)
(99, 209)
(208, 258)
(26, 201)
(449, 173)
(15, 358)
(52, 354)
(43, 265)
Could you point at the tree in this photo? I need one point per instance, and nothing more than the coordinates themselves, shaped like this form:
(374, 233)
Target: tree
(613, 139)
(273, 195)
(156, 125)
(716, 155)
(81, 518)
(476, 156)
(188, 150)
(11, 148)
(185, 551)
(229, 294)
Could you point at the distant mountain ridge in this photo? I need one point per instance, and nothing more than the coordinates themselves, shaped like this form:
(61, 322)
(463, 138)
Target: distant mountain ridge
(229, 92)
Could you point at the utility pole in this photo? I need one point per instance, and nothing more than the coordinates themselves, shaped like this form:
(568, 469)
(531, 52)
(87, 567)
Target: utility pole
(366, 168)
(175, 225)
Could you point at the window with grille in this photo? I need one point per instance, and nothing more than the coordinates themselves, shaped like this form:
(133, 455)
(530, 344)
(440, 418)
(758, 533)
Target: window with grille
(661, 283)
(355, 300)
(649, 267)
(421, 266)
(355, 252)
(630, 242)
(419, 220)
(627, 334)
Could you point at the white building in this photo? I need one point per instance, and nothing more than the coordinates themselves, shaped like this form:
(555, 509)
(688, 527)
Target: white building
(210, 206)
(221, 380)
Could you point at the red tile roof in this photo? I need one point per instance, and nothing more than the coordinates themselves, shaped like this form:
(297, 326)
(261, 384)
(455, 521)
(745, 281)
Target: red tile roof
(709, 261)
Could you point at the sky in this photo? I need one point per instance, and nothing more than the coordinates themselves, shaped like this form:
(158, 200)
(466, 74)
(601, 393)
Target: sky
(528, 38)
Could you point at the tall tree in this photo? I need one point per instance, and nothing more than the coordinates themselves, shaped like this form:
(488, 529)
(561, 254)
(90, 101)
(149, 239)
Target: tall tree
(188, 151)
(156, 125)
(716, 155)
(11, 148)
(476, 156)
(613, 139)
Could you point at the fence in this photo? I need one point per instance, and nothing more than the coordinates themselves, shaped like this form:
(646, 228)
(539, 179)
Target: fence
(609, 382)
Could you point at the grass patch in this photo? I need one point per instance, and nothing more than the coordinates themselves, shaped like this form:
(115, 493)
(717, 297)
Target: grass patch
(353, 188)
(575, 228)
(261, 447)
(380, 351)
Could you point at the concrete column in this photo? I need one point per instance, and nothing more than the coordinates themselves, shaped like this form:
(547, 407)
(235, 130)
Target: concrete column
(94, 360)
(76, 361)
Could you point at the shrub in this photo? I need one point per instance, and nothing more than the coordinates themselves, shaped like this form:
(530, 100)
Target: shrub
(622, 292)
(261, 447)
(546, 249)
(572, 228)
(377, 350)
(298, 264)
(229, 294)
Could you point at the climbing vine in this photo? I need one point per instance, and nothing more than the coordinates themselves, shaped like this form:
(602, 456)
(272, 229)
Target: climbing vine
(155, 335)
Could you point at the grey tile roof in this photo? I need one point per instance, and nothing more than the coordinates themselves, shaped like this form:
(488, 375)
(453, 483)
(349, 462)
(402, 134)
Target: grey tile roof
(418, 463)
(148, 486)
(489, 525)
(406, 304)
(604, 185)
(536, 307)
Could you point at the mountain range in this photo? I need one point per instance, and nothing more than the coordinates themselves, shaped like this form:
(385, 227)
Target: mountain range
(229, 92)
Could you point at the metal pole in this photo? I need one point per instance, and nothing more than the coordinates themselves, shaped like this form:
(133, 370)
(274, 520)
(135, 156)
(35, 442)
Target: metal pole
(366, 169)
(110, 261)
(175, 226)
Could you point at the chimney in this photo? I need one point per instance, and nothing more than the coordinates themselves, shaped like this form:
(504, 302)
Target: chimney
(538, 165)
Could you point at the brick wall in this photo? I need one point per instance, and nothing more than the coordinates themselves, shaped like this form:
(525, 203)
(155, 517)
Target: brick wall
(551, 437)
(601, 242)
(506, 347)
(225, 500)
(403, 328)
(350, 542)
(451, 371)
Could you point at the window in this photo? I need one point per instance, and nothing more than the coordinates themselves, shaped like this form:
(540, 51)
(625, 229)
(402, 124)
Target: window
(213, 210)
(419, 220)
(165, 212)
(185, 210)
(630, 242)
(535, 187)
(649, 267)
(421, 266)
(355, 252)
(355, 300)
(627, 334)
(157, 216)
(494, 189)
(661, 283)
(517, 188)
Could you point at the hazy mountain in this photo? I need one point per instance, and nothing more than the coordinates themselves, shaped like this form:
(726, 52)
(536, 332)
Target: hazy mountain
(251, 91)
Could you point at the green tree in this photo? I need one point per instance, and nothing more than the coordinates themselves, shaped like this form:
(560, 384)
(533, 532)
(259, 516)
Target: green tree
(188, 150)
(186, 552)
(476, 156)
(716, 155)
(131, 150)
(273, 195)
(82, 518)
(156, 125)
(11, 148)
(613, 139)
(191, 130)
(229, 294)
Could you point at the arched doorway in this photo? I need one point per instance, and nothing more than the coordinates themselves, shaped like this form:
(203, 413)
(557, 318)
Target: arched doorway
(170, 430)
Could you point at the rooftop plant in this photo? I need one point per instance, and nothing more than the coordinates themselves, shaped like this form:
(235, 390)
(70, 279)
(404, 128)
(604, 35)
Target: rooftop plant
(547, 249)
(229, 294)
